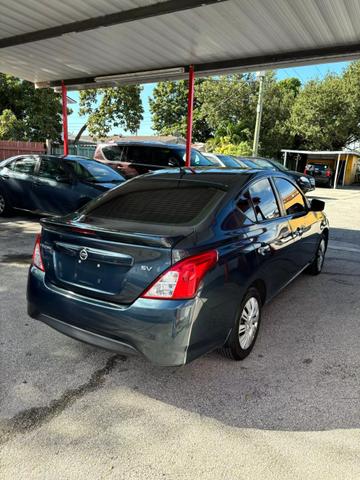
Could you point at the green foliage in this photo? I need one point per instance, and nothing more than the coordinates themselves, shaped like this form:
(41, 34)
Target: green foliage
(322, 117)
(169, 110)
(225, 146)
(107, 108)
(225, 110)
(35, 114)
(10, 126)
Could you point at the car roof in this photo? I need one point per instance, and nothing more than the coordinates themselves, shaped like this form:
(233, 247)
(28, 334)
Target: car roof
(225, 177)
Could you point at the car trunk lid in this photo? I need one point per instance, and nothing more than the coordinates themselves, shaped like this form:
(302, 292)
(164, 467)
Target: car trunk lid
(111, 266)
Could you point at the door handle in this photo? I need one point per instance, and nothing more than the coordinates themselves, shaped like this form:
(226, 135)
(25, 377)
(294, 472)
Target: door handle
(299, 231)
(264, 250)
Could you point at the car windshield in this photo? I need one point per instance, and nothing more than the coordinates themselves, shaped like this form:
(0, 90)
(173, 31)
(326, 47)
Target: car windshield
(232, 162)
(265, 164)
(92, 171)
(279, 165)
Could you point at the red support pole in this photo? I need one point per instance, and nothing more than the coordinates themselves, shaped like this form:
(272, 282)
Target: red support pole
(64, 118)
(190, 115)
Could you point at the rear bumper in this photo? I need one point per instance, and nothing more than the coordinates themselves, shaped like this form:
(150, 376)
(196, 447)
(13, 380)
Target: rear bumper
(159, 330)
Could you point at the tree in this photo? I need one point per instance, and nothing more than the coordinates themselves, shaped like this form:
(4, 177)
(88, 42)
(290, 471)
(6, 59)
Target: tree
(169, 110)
(279, 99)
(10, 126)
(35, 112)
(230, 105)
(351, 85)
(107, 108)
(322, 117)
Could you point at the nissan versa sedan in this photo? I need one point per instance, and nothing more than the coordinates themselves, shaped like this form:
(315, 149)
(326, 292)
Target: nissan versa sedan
(48, 184)
(175, 264)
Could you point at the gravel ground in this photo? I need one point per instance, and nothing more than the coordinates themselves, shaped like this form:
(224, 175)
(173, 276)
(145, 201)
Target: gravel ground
(289, 411)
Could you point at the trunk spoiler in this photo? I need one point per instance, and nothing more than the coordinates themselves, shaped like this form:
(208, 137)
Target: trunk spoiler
(147, 239)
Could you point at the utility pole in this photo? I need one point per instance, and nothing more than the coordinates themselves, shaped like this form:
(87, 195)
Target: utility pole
(259, 109)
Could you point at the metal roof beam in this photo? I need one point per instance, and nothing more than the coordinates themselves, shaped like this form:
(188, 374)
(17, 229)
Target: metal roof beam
(140, 13)
(336, 53)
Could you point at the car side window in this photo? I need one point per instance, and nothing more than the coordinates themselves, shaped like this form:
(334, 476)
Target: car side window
(292, 199)
(264, 200)
(52, 168)
(114, 153)
(245, 206)
(244, 213)
(23, 165)
(139, 155)
(164, 157)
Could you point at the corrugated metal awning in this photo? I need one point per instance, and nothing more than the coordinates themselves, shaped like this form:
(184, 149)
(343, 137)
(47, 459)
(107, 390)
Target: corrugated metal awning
(79, 41)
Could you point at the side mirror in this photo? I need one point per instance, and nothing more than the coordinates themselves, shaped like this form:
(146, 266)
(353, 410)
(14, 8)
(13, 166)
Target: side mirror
(317, 205)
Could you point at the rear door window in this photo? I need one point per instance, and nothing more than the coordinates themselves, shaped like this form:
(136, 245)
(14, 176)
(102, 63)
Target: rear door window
(292, 199)
(52, 168)
(139, 155)
(165, 157)
(264, 200)
(23, 165)
(158, 202)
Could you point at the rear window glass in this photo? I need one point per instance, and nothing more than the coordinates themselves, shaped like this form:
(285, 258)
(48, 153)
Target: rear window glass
(159, 204)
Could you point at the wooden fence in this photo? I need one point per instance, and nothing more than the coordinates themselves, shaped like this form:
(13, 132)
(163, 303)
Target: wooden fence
(9, 148)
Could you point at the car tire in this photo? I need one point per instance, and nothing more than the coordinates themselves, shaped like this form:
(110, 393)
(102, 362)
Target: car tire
(315, 268)
(5, 209)
(243, 336)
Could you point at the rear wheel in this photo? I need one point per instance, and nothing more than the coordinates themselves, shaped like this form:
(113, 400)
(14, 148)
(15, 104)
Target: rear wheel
(245, 331)
(5, 208)
(316, 267)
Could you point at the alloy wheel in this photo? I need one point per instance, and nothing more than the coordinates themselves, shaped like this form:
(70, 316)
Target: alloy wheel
(249, 322)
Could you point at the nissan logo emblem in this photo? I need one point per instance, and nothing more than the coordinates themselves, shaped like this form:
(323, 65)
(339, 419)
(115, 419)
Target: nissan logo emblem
(83, 254)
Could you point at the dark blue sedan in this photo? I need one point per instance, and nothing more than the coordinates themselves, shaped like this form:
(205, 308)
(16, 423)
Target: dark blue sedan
(47, 184)
(175, 264)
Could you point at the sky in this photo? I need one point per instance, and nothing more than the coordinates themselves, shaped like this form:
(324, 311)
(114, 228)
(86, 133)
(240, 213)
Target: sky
(303, 73)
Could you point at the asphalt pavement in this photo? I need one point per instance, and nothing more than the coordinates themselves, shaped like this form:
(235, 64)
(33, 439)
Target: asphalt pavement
(289, 411)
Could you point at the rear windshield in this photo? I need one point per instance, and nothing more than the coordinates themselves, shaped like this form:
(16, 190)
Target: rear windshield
(158, 202)
(92, 171)
(318, 166)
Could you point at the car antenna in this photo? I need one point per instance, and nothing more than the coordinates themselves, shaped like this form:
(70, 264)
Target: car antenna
(176, 162)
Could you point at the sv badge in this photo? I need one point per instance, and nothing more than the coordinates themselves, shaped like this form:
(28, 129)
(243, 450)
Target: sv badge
(146, 268)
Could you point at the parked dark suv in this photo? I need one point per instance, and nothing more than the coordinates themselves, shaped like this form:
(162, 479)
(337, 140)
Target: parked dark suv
(135, 158)
(175, 264)
(321, 172)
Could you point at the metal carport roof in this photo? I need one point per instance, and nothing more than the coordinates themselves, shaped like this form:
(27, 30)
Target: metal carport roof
(78, 41)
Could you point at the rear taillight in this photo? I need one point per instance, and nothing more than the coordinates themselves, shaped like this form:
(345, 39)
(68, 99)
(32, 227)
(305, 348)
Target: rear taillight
(36, 257)
(181, 281)
(328, 173)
